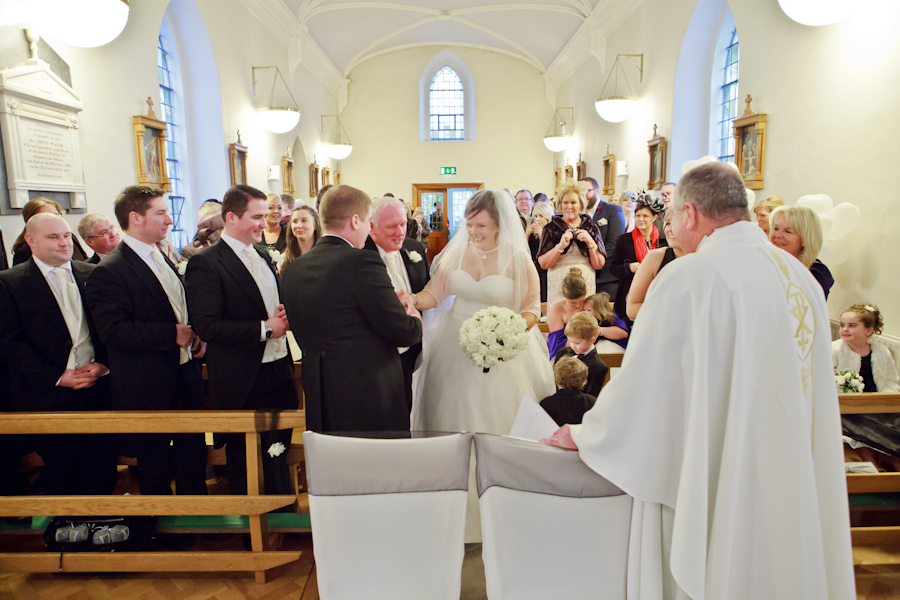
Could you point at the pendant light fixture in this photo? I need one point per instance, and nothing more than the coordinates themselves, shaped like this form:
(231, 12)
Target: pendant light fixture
(337, 144)
(277, 119)
(557, 138)
(86, 23)
(617, 108)
(816, 12)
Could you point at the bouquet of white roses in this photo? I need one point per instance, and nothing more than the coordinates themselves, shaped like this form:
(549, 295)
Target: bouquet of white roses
(493, 335)
(848, 382)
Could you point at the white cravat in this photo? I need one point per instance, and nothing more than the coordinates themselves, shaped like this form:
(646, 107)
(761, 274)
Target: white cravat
(175, 292)
(276, 348)
(396, 271)
(69, 300)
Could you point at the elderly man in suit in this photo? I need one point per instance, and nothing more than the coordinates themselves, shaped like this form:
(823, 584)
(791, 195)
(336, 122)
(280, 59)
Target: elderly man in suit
(140, 309)
(235, 306)
(611, 221)
(404, 259)
(56, 362)
(99, 234)
(349, 322)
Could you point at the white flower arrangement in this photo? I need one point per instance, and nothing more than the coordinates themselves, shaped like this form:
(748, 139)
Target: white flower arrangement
(277, 257)
(182, 267)
(414, 257)
(493, 335)
(848, 382)
(276, 449)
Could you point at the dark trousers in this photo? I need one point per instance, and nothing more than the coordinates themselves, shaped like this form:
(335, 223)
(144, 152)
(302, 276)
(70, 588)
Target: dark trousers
(78, 464)
(408, 362)
(11, 483)
(274, 389)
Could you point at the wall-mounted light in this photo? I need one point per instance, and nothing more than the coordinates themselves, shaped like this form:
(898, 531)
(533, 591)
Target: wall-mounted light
(277, 119)
(87, 23)
(337, 144)
(557, 138)
(816, 12)
(617, 108)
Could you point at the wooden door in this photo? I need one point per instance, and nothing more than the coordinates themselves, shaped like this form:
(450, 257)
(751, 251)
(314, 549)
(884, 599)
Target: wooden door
(436, 201)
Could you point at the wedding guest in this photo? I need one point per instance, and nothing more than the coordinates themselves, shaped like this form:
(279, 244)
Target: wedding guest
(524, 204)
(569, 240)
(421, 231)
(633, 247)
(208, 231)
(209, 208)
(99, 234)
(436, 220)
(55, 358)
(628, 201)
(287, 208)
(610, 221)
(875, 437)
(234, 301)
(303, 234)
(274, 236)
(612, 336)
(763, 208)
(169, 251)
(570, 402)
(798, 231)
(20, 249)
(321, 194)
(542, 213)
(581, 333)
(574, 291)
(539, 198)
(650, 268)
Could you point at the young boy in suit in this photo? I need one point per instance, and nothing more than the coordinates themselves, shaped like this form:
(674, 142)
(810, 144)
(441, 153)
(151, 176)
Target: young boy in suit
(581, 331)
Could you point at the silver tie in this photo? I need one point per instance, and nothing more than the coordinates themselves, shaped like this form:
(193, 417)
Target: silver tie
(175, 292)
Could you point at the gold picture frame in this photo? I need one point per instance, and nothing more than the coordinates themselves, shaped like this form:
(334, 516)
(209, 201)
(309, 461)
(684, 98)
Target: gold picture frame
(570, 172)
(150, 149)
(326, 176)
(287, 170)
(580, 168)
(558, 178)
(657, 149)
(337, 177)
(609, 173)
(237, 159)
(313, 180)
(750, 147)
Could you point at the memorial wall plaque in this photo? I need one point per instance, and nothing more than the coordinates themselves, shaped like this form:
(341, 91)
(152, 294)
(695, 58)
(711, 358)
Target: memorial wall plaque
(39, 124)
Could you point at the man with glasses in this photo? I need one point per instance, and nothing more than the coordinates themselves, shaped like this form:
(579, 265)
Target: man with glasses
(611, 221)
(100, 234)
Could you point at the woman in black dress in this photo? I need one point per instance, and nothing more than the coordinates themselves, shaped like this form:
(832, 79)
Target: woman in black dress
(632, 248)
(655, 261)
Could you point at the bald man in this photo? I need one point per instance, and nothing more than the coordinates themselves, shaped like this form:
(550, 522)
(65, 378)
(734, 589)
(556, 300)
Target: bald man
(55, 359)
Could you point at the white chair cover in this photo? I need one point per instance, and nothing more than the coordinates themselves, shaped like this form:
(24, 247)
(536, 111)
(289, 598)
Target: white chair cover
(552, 527)
(388, 516)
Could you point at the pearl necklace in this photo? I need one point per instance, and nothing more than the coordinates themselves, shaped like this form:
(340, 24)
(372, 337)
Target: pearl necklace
(484, 253)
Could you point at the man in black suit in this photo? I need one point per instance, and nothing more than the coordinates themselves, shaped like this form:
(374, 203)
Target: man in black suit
(99, 234)
(404, 259)
(235, 306)
(349, 323)
(56, 362)
(141, 314)
(611, 221)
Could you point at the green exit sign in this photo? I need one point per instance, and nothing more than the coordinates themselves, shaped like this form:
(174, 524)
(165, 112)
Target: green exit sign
(448, 170)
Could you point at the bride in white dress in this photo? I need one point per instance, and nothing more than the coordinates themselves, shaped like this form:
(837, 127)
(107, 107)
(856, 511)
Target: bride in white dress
(486, 264)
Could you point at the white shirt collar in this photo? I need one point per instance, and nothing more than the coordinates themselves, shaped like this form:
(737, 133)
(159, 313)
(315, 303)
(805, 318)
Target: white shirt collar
(382, 252)
(143, 249)
(45, 268)
(237, 245)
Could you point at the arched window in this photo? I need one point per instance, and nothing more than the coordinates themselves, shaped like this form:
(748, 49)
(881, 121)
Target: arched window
(168, 95)
(729, 103)
(446, 101)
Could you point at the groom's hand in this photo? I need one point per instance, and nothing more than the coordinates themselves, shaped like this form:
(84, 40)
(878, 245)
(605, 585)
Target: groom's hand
(279, 322)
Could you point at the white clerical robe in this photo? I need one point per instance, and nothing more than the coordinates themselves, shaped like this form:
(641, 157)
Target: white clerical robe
(724, 426)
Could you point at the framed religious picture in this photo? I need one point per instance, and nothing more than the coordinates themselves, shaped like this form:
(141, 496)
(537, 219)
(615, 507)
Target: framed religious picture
(581, 168)
(750, 146)
(570, 173)
(150, 147)
(287, 170)
(609, 173)
(337, 177)
(313, 180)
(237, 158)
(558, 178)
(326, 176)
(657, 149)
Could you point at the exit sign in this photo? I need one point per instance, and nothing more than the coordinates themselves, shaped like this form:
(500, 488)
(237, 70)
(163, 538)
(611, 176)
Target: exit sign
(448, 170)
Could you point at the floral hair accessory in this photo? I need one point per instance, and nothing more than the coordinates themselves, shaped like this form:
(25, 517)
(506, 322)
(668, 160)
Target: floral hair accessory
(870, 308)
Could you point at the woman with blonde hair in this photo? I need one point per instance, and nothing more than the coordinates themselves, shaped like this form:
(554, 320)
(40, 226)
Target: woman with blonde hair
(274, 236)
(764, 208)
(612, 337)
(542, 213)
(628, 201)
(574, 291)
(798, 231)
(569, 240)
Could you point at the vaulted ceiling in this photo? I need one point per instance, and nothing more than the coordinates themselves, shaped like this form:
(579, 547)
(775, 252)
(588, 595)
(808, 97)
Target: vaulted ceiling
(535, 31)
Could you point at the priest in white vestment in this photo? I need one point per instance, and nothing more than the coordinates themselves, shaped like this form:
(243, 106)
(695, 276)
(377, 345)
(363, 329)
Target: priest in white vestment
(733, 452)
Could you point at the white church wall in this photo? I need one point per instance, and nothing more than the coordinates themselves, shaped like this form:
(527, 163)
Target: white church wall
(115, 80)
(382, 119)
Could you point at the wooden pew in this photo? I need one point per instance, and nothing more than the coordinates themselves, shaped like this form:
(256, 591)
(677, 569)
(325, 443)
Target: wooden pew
(872, 483)
(255, 505)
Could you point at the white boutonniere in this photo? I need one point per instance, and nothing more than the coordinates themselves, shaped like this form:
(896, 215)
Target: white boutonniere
(182, 267)
(602, 222)
(277, 257)
(276, 449)
(413, 256)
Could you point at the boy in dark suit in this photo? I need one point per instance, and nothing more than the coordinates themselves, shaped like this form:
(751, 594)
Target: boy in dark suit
(569, 403)
(581, 330)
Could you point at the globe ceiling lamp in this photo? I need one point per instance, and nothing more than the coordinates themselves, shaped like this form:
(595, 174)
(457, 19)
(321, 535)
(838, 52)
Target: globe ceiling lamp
(816, 12)
(86, 23)
(277, 119)
(557, 138)
(338, 145)
(616, 108)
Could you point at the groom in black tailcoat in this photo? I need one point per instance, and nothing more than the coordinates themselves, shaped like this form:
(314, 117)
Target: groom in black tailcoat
(349, 322)
(404, 259)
